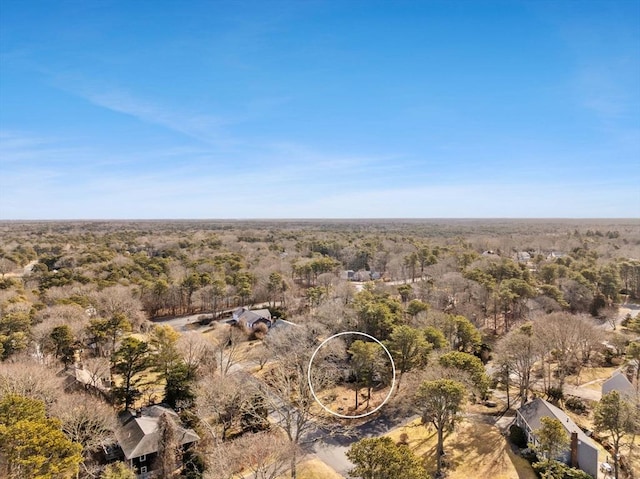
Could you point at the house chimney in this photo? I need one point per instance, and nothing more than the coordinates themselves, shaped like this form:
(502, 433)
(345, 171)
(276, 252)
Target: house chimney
(574, 449)
(138, 412)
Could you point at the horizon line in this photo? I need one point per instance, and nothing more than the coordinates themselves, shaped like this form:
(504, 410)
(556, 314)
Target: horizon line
(337, 219)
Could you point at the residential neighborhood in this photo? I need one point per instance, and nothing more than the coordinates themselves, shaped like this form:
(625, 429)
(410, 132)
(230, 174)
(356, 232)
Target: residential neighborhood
(319, 239)
(189, 356)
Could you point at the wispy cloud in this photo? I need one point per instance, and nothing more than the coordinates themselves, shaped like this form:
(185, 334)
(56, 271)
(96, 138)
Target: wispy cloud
(17, 148)
(203, 127)
(46, 180)
(43, 178)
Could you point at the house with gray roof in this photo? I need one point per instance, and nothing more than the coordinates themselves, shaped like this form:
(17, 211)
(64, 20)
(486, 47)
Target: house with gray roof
(139, 435)
(251, 318)
(621, 383)
(582, 452)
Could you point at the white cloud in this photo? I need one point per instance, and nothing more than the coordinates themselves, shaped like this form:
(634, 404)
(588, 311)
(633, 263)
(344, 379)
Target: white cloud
(203, 127)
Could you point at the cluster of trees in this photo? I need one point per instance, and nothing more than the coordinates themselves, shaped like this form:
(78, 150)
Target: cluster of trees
(233, 410)
(47, 432)
(558, 344)
(177, 361)
(206, 267)
(32, 444)
(83, 292)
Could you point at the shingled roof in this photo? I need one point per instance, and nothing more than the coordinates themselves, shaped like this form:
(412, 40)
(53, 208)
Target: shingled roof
(618, 382)
(139, 435)
(535, 410)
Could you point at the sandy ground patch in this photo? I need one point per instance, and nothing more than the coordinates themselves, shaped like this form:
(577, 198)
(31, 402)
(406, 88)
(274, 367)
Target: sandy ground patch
(341, 399)
(473, 450)
(314, 469)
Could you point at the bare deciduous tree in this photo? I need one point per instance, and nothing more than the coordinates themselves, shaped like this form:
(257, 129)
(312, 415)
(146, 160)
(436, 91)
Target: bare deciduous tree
(119, 300)
(30, 379)
(267, 455)
(517, 352)
(287, 391)
(229, 348)
(169, 449)
(98, 369)
(85, 419)
(565, 339)
(197, 352)
(219, 404)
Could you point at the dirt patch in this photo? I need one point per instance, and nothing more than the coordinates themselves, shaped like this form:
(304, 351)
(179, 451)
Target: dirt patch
(341, 399)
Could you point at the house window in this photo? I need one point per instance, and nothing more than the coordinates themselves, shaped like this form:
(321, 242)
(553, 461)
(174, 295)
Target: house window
(142, 458)
(143, 469)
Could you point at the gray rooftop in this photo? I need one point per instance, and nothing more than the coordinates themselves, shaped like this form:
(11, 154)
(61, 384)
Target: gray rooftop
(534, 411)
(618, 382)
(139, 436)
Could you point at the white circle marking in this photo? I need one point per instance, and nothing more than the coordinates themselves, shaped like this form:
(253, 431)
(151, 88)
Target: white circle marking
(393, 380)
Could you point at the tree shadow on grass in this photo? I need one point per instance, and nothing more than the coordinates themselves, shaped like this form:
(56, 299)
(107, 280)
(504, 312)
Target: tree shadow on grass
(477, 447)
(426, 445)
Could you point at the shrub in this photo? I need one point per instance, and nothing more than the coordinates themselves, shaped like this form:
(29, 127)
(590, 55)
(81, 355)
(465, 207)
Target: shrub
(7, 283)
(260, 330)
(517, 436)
(278, 312)
(576, 405)
(529, 454)
(555, 394)
(555, 469)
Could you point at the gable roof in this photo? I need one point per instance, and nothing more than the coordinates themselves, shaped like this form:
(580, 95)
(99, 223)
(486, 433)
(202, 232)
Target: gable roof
(535, 410)
(263, 313)
(251, 316)
(139, 436)
(618, 382)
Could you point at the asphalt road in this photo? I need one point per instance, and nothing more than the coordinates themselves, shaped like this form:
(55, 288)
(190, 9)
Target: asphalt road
(331, 446)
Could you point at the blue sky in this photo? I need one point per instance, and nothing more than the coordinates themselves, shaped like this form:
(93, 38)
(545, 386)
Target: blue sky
(319, 109)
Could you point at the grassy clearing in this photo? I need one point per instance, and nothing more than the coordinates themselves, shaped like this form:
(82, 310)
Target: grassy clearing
(588, 375)
(474, 449)
(314, 469)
